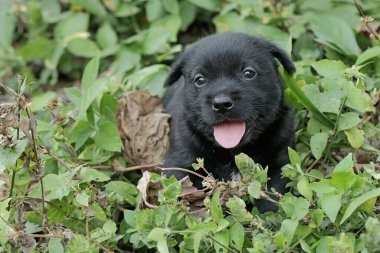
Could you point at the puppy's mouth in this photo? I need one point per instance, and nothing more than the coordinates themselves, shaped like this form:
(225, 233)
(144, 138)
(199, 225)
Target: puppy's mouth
(229, 133)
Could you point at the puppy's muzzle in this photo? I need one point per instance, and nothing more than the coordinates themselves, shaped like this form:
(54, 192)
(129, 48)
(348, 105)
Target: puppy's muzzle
(222, 103)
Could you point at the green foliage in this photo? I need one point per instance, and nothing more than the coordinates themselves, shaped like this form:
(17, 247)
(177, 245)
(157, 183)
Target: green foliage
(60, 161)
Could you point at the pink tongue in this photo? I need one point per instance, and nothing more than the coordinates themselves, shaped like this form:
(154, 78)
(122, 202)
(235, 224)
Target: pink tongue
(229, 133)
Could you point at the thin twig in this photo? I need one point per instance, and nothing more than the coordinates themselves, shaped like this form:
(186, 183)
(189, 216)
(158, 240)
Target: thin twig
(360, 9)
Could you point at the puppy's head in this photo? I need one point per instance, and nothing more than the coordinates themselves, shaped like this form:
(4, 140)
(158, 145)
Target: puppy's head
(233, 90)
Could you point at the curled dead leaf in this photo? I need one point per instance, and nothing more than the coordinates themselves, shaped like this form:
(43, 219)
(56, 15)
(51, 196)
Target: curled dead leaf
(143, 127)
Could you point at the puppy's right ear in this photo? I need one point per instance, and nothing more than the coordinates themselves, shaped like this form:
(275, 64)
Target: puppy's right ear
(176, 72)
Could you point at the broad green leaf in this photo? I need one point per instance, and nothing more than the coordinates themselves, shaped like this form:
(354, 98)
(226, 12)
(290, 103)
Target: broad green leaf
(357, 98)
(160, 33)
(289, 227)
(317, 114)
(82, 198)
(254, 189)
(355, 137)
(215, 208)
(55, 186)
(237, 235)
(50, 10)
(348, 120)
(4, 227)
(223, 237)
(36, 49)
(343, 176)
(121, 192)
(210, 5)
(367, 55)
(156, 234)
(303, 186)
(89, 94)
(294, 157)
(80, 133)
(7, 24)
(331, 204)
(88, 175)
(294, 208)
(237, 208)
(106, 36)
(79, 243)
(339, 37)
(197, 241)
(90, 74)
(93, 6)
(9, 155)
(188, 13)
(75, 23)
(171, 6)
(110, 227)
(41, 100)
(355, 203)
(162, 245)
(245, 164)
(83, 47)
(154, 10)
(107, 136)
(330, 68)
(327, 101)
(55, 245)
(318, 144)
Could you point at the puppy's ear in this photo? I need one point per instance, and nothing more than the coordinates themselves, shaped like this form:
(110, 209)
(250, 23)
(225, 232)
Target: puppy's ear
(176, 71)
(284, 59)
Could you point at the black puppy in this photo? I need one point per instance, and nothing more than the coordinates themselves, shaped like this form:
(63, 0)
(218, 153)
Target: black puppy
(226, 97)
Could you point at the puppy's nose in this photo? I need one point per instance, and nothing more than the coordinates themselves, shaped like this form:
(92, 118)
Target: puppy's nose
(222, 103)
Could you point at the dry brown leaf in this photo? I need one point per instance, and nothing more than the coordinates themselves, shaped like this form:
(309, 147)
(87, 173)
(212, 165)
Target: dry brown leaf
(143, 126)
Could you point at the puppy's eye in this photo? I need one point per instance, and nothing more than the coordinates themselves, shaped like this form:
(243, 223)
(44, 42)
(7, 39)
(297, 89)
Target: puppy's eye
(248, 74)
(200, 80)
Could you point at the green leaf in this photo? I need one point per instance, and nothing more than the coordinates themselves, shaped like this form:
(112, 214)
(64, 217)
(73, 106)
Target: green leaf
(171, 6)
(154, 10)
(80, 133)
(9, 155)
(91, 93)
(294, 157)
(357, 98)
(121, 192)
(82, 198)
(41, 100)
(237, 235)
(318, 144)
(7, 24)
(355, 203)
(162, 245)
(55, 245)
(245, 164)
(76, 23)
(331, 204)
(110, 227)
(210, 5)
(197, 241)
(223, 239)
(215, 208)
(348, 120)
(327, 101)
(343, 176)
(367, 55)
(330, 68)
(83, 47)
(294, 208)
(156, 234)
(339, 37)
(237, 208)
(88, 175)
(79, 243)
(106, 36)
(50, 10)
(289, 227)
(317, 114)
(303, 186)
(93, 6)
(36, 49)
(107, 137)
(355, 136)
(254, 189)
(90, 74)
(93, 154)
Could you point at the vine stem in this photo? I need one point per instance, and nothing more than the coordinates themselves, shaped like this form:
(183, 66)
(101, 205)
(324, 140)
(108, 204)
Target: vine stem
(224, 246)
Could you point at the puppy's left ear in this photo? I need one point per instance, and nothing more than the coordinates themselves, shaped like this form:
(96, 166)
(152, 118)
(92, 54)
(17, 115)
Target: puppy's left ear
(176, 71)
(284, 59)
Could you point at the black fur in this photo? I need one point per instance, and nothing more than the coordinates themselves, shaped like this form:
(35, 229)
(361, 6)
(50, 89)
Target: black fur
(221, 58)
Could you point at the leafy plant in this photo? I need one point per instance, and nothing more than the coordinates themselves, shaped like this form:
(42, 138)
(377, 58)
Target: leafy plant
(65, 186)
